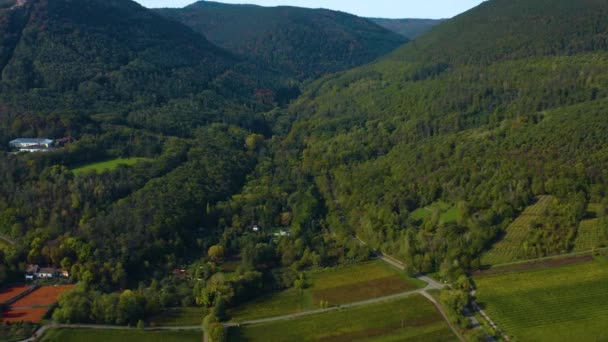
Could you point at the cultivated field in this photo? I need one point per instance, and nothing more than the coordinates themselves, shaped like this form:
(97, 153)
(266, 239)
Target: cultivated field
(589, 235)
(12, 292)
(338, 285)
(108, 165)
(179, 317)
(33, 306)
(43, 296)
(507, 250)
(408, 319)
(98, 335)
(566, 303)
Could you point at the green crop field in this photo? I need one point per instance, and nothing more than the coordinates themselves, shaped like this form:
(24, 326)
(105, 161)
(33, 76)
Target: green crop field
(507, 249)
(108, 165)
(338, 285)
(412, 318)
(589, 235)
(567, 303)
(448, 212)
(100, 335)
(179, 317)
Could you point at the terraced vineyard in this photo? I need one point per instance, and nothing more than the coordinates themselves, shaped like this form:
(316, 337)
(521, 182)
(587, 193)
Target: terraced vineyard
(589, 234)
(567, 303)
(507, 249)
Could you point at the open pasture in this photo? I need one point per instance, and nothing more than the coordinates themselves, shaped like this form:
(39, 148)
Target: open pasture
(336, 285)
(413, 318)
(565, 303)
(507, 249)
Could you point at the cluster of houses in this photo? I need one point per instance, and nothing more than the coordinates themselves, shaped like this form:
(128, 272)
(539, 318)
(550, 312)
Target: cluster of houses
(36, 272)
(37, 144)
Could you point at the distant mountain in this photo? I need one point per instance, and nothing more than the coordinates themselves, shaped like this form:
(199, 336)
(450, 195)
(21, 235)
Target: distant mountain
(409, 28)
(302, 42)
(119, 59)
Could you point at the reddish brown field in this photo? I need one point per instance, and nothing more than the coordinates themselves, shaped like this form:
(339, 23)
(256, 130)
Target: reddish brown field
(46, 295)
(12, 292)
(33, 315)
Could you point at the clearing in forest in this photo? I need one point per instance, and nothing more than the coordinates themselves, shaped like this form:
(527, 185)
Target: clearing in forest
(335, 285)
(447, 212)
(564, 303)
(507, 249)
(412, 318)
(109, 165)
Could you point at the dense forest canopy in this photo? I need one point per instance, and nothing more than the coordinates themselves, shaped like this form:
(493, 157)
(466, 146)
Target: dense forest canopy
(305, 43)
(486, 111)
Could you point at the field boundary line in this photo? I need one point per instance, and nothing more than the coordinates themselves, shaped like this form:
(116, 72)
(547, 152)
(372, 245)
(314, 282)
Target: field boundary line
(558, 256)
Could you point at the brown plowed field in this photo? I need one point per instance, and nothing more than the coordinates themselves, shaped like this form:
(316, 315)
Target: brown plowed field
(46, 295)
(12, 292)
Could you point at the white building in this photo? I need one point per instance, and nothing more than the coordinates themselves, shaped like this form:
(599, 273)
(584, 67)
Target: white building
(30, 142)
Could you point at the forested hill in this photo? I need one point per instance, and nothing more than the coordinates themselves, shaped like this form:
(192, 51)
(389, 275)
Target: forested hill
(482, 114)
(409, 28)
(303, 42)
(118, 62)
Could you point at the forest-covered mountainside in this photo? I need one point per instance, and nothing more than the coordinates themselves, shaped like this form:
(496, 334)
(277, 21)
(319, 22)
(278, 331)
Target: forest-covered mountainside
(117, 62)
(482, 114)
(409, 28)
(305, 43)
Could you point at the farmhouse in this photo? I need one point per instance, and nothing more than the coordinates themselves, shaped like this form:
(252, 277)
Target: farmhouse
(47, 272)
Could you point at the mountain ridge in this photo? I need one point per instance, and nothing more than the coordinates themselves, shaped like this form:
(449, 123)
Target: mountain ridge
(306, 43)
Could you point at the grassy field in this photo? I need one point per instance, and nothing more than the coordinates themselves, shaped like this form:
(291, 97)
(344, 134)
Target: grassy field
(567, 303)
(409, 319)
(108, 165)
(337, 285)
(507, 249)
(589, 234)
(179, 317)
(98, 335)
(448, 212)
